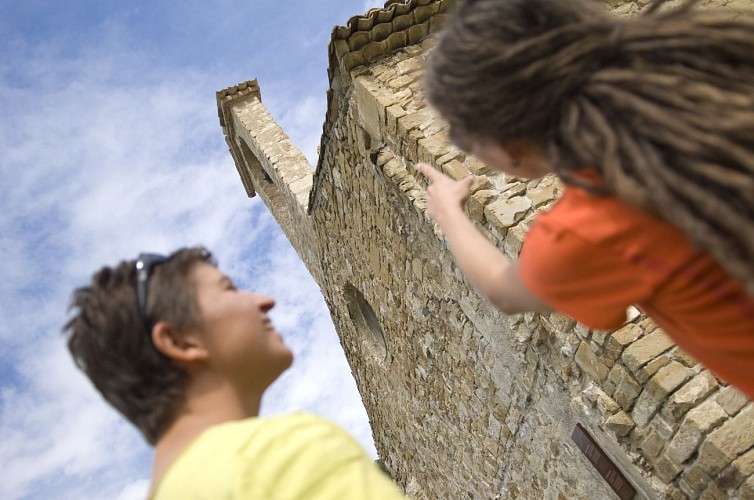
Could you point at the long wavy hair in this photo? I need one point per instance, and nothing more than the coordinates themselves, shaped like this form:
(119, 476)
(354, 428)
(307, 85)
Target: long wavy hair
(661, 105)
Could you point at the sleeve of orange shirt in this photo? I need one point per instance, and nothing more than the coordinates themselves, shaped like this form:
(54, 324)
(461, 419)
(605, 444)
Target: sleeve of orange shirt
(580, 278)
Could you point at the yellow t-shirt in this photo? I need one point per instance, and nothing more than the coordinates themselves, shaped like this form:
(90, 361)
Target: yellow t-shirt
(297, 456)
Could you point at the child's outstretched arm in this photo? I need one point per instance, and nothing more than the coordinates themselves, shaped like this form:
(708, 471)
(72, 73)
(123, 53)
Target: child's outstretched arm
(493, 275)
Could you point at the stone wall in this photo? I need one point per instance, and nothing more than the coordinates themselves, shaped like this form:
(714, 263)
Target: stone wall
(466, 402)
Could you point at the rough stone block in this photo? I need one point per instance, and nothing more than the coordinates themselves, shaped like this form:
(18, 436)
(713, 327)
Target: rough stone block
(668, 379)
(647, 371)
(644, 408)
(626, 392)
(731, 400)
(728, 442)
(570, 345)
(652, 445)
(514, 188)
(684, 444)
(475, 166)
(392, 114)
(546, 190)
(745, 463)
(455, 169)
(737, 472)
(666, 469)
(506, 212)
(694, 480)
(477, 202)
(432, 148)
(683, 357)
(663, 426)
(706, 416)
(625, 335)
(480, 182)
(599, 337)
(409, 122)
(673, 493)
(514, 239)
(590, 363)
(740, 6)
(451, 155)
(691, 394)
(747, 490)
(620, 423)
(560, 323)
(408, 66)
(713, 492)
(646, 349)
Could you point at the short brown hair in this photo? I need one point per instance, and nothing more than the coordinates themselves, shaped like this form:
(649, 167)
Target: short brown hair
(109, 342)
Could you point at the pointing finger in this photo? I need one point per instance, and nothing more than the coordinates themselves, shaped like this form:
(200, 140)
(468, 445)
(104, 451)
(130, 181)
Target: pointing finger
(431, 173)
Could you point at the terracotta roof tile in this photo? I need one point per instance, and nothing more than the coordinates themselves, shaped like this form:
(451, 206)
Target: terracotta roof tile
(378, 25)
(365, 38)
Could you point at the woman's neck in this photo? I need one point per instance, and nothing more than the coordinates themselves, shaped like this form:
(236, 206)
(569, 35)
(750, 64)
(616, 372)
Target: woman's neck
(207, 404)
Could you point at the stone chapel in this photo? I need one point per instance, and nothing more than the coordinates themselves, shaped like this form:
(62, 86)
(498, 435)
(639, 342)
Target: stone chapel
(464, 401)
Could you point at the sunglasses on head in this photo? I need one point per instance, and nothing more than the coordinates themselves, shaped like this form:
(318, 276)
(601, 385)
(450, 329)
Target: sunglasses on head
(144, 265)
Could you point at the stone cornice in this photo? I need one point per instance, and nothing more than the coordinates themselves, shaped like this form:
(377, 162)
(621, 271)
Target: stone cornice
(225, 98)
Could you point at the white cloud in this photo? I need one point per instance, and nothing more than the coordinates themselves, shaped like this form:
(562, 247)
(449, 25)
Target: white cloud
(370, 4)
(134, 491)
(103, 156)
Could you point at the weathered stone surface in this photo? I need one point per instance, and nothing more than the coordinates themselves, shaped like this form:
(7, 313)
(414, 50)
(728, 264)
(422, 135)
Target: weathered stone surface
(652, 444)
(668, 379)
(588, 361)
(432, 148)
(626, 388)
(477, 202)
(747, 490)
(697, 423)
(737, 472)
(690, 395)
(728, 442)
(547, 189)
(508, 211)
(620, 423)
(666, 469)
(684, 444)
(731, 400)
(694, 480)
(648, 371)
(644, 408)
(464, 392)
(645, 350)
(514, 239)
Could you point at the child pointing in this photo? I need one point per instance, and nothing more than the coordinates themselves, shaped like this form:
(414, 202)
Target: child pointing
(650, 124)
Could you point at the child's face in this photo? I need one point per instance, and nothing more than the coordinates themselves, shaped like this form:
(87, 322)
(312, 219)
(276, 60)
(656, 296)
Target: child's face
(241, 341)
(517, 158)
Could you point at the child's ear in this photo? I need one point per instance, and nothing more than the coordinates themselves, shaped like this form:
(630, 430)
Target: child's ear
(178, 345)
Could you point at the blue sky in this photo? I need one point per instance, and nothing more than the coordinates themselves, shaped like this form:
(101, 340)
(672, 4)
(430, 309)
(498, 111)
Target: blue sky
(110, 145)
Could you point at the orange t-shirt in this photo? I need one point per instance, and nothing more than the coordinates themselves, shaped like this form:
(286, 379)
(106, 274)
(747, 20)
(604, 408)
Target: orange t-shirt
(591, 257)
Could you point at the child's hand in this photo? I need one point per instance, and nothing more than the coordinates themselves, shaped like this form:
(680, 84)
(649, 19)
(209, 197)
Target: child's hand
(444, 195)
